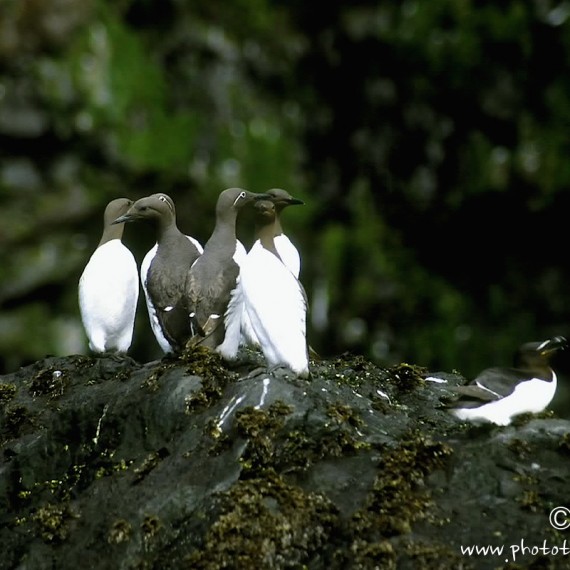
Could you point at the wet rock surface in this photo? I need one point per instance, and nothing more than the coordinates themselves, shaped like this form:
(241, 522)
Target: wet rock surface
(188, 463)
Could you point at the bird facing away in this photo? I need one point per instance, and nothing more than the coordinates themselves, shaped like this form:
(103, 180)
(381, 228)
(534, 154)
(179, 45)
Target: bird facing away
(164, 269)
(274, 301)
(109, 287)
(287, 251)
(210, 281)
(497, 395)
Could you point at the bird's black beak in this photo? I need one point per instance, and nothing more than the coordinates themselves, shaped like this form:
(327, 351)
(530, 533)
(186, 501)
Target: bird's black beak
(295, 201)
(554, 344)
(122, 219)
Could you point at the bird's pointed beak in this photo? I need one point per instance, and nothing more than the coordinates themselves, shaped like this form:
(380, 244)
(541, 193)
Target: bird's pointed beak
(295, 201)
(554, 344)
(122, 219)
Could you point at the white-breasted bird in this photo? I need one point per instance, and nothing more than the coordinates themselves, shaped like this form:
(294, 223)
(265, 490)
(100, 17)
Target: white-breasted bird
(211, 280)
(274, 301)
(238, 327)
(109, 287)
(164, 269)
(497, 395)
(284, 246)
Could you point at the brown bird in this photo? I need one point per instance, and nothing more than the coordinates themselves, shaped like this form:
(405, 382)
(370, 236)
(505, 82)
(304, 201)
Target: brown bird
(163, 274)
(211, 280)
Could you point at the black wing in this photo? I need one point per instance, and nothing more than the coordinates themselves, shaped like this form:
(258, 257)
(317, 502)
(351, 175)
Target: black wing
(490, 385)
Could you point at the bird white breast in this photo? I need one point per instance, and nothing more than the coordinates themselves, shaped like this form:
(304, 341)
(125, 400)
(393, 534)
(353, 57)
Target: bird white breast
(288, 254)
(152, 317)
(233, 324)
(108, 294)
(240, 253)
(276, 308)
(239, 329)
(528, 397)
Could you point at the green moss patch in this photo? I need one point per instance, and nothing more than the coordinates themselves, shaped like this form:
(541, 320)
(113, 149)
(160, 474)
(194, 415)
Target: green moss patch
(266, 523)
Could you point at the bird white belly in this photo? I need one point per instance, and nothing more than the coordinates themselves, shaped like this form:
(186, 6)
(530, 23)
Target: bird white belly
(240, 253)
(152, 317)
(528, 397)
(108, 294)
(276, 308)
(288, 254)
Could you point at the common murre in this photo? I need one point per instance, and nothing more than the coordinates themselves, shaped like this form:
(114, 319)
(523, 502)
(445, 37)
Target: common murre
(164, 269)
(211, 280)
(238, 327)
(109, 287)
(274, 301)
(284, 246)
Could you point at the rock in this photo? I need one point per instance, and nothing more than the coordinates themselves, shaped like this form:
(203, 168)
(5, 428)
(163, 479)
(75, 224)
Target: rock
(186, 463)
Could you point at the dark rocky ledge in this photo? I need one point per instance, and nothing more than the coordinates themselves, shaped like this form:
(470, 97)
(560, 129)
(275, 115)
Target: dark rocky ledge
(185, 463)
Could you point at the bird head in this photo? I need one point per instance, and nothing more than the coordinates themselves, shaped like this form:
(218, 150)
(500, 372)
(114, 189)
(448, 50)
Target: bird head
(281, 198)
(540, 352)
(153, 207)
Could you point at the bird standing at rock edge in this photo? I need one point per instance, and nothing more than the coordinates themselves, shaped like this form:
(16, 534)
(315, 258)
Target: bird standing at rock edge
(109, 287)
(497, 395)
(145, 266)
(274, 301)
(164, 269)
(237, 320)
(211, 280)
(284, 246)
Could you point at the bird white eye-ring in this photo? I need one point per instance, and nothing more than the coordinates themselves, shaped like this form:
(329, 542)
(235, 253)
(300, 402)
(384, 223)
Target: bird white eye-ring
(242, 194)
(164, 199)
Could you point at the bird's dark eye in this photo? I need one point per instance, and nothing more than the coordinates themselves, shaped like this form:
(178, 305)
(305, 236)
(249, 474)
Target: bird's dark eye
(242, 194)
(162, 198)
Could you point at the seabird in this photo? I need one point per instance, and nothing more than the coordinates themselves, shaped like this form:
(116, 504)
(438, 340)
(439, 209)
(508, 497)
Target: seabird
(164, 269)
(274, 301)
(211, 280)
(498, 394)
(287, 251)
(238, 328)
(109, 288)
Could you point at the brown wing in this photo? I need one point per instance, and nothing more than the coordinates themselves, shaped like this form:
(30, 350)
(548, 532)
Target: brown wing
(209, 288)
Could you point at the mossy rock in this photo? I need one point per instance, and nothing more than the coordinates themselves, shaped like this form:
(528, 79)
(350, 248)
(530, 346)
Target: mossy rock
(185, 462)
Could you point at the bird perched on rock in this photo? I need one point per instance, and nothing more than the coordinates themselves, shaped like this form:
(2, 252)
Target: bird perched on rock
(109, 287)
(164, 269)
(274, 301)
(237, 320)
(498, 394)
(211, 280)
(287, 251)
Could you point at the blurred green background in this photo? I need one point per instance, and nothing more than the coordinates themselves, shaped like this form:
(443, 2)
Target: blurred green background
(429, 140)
